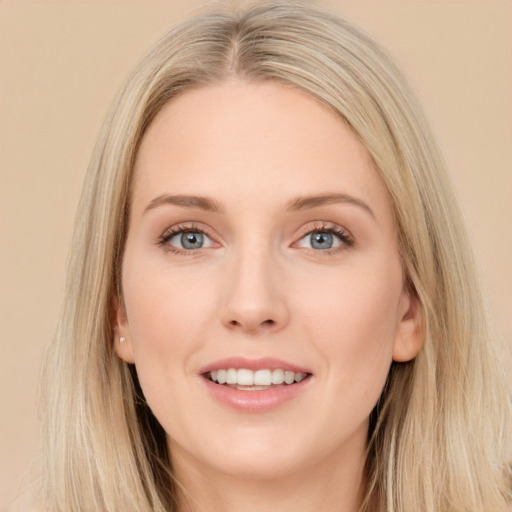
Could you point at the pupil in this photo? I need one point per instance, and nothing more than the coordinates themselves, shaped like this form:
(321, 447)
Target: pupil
(321, 240)
(192, 240)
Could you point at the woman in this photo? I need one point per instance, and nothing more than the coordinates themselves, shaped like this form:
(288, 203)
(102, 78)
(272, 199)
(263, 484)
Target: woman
(271, 301)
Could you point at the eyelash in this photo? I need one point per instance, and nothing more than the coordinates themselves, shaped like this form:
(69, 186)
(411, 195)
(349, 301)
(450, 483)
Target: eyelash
(346, 240)
(179, 229)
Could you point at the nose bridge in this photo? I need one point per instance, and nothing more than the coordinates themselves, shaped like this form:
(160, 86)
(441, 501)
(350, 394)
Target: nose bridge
(254, 298)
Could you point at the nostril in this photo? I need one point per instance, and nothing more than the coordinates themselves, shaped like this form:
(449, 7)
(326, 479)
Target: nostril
(236, 323)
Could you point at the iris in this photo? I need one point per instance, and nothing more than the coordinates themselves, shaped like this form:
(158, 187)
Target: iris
(192, 240)
(321, 240)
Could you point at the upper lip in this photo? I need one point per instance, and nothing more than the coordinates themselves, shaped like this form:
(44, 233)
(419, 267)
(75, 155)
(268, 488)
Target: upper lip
(264, 363)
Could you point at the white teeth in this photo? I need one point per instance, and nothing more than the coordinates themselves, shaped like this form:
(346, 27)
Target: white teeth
(289, 377)
(244, 377)
(221, 376)
(277, 376)
(231, 376)
(258, 379)
(262, 378)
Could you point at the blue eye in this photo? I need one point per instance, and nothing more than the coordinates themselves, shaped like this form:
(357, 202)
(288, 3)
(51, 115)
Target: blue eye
(188, 240)
(325, 239)
(319, 240)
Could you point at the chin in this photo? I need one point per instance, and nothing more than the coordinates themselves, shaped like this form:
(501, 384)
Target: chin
(250, 455)
(261, 467)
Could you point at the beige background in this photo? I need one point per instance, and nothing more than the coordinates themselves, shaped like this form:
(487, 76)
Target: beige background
(61, 62)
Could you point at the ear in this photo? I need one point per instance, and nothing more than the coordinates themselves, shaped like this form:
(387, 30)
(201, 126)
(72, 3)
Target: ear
(410, 332)
(122, 340)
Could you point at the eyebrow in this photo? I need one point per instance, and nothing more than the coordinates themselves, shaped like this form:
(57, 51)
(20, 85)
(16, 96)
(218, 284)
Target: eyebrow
(300, 203)
(186, 201)
(307, 202)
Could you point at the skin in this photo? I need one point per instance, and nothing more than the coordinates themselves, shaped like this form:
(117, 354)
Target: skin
(259, 289)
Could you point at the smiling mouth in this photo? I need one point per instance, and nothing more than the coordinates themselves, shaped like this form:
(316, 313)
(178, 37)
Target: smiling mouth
(249, 380)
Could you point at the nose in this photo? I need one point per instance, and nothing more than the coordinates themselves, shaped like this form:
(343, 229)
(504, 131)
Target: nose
(254, 298)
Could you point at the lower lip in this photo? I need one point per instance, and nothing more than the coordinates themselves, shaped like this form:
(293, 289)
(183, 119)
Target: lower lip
(256, 401)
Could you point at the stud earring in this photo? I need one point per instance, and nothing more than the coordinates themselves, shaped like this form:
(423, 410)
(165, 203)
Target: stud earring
(122, 339)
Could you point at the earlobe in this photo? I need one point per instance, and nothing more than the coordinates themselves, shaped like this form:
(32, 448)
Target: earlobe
(122, 342)
(410, 331)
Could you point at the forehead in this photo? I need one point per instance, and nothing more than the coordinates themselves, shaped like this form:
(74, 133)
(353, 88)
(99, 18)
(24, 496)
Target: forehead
(244, 139)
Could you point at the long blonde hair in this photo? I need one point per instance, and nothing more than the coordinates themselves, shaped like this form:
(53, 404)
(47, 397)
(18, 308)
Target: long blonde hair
(438, 435)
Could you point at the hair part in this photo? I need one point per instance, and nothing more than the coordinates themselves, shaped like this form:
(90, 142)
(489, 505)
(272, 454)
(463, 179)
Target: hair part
(438, 434)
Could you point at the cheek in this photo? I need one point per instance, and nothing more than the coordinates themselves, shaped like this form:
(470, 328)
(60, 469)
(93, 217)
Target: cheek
(163, 303)
(353, 324)
(164, 332)
(164, 324)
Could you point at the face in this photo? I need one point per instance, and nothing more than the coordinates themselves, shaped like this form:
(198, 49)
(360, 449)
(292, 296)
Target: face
(263, 292)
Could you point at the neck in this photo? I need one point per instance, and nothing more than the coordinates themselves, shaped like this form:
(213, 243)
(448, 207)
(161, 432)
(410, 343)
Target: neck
(329, 485)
